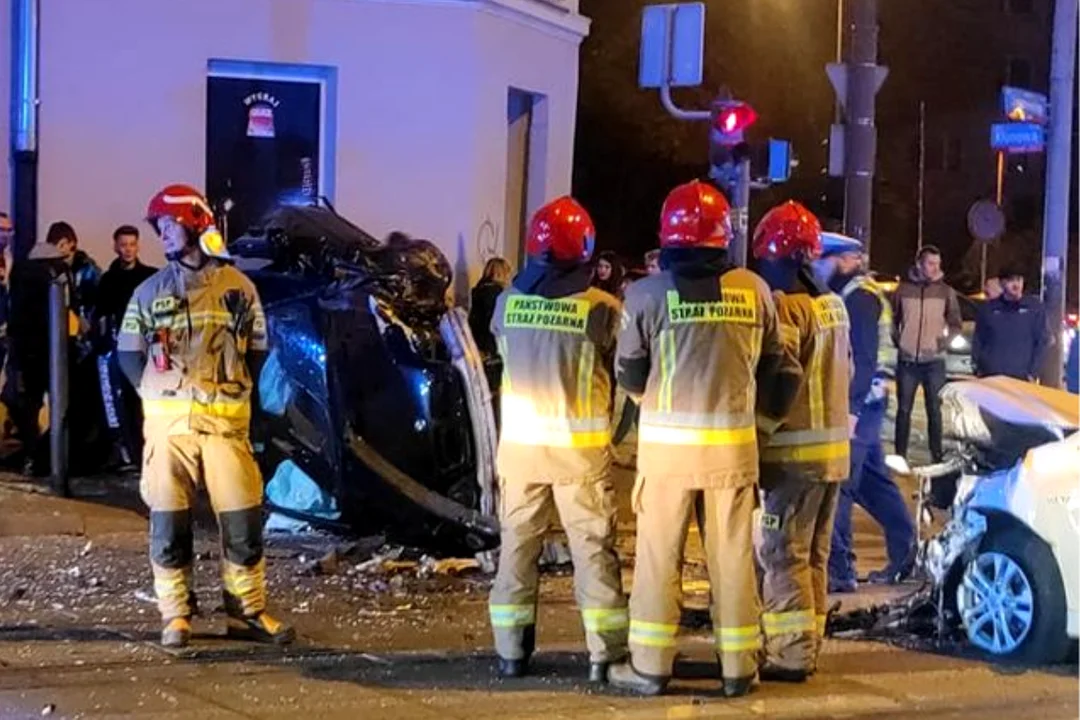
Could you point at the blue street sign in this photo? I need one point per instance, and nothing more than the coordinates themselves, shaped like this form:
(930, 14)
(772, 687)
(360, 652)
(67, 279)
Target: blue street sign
(1017, 137)
(1022, 105)
(672, 45)
(779, 160)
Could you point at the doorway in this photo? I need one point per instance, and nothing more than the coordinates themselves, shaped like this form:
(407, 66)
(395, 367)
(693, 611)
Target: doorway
(526, 152)
(265, 142)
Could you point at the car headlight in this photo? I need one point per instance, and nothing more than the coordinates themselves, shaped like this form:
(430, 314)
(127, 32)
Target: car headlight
(959, 342)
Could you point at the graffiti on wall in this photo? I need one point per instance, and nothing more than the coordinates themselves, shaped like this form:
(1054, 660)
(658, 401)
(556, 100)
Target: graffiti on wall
(487, 240)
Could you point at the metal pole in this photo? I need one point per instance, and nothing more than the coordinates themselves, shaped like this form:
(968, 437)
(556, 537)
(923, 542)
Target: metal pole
(740, 214)
(838, 112)
(922, 169)
(24, 116)
(860, 134)
(999, 194)
(1058, 177)
(58, 385)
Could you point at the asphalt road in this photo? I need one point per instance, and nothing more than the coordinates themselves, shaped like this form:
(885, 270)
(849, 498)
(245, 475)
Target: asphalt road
(397, 639)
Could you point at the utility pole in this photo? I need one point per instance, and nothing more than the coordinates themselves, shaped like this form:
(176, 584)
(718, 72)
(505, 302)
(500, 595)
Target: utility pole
(24, 125)
(864, 78)
(1058, 177)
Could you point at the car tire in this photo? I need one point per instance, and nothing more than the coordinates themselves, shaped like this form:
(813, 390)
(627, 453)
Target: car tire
(1029, 575)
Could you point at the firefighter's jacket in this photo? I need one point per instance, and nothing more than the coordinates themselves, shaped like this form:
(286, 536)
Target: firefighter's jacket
(197, 328)
(556, 385)
(705, 362)
(812, 443)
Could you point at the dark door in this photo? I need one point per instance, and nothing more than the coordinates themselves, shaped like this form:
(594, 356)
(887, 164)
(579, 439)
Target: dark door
(262, 146)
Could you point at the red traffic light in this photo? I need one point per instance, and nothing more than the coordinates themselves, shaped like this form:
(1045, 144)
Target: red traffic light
(733, 117)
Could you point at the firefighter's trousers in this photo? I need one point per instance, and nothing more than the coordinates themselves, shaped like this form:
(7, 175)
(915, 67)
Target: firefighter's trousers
(587, 512)
(174, 466)
(725, 518)
(793, 539)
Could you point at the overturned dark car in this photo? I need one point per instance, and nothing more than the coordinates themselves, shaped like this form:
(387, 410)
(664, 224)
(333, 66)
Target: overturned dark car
(375, 414)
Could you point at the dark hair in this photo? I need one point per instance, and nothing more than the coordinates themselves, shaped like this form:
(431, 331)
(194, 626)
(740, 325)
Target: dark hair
(61, 231)
(654, 253)
(927, 250)
(4, 215)
(1009, 272)
(125, 230)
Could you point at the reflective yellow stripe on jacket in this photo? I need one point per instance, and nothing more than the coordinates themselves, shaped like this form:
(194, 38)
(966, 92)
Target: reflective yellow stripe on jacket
(665, 427)
(185, 407)
(807, 445)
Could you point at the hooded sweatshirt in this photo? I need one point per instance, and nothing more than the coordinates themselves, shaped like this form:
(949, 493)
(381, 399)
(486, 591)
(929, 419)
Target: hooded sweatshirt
(925, 313)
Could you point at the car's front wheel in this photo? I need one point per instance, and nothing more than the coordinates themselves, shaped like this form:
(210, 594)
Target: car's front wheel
(1012, 600)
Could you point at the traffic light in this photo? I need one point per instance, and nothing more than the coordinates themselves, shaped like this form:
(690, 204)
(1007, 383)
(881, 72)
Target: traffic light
(729, 120)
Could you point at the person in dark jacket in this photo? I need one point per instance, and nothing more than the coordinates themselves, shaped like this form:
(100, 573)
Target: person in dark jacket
(869, 484)
(493, 281)
(119, 282)
(124, 413)
(83, 273)
(1010, 332)
(28, 334)
(926, 314)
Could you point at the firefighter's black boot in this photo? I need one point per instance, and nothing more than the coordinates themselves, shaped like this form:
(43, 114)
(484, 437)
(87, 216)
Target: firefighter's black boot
(176, 633)
(598, 672)
(624, 677)
(262, 627)
(519, 667)
(774, 673)
(737, 687)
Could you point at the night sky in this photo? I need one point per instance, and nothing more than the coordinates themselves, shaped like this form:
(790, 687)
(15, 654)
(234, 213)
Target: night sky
(953, 56)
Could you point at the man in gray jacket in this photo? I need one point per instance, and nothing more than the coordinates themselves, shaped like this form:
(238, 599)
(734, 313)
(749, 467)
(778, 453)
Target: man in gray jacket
(926, 314)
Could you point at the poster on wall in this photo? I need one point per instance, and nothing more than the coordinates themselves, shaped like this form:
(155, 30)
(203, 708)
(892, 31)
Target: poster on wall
(262, 147)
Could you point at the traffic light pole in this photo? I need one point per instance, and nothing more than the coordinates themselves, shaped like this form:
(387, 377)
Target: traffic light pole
(860, 134)
(1058, 176)
(739, 193)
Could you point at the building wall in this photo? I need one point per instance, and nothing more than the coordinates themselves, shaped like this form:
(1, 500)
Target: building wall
(421, 104)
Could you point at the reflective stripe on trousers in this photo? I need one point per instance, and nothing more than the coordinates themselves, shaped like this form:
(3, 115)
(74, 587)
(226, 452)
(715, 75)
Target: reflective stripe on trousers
(512, 616)
(784, 623)
(664, 514)
(587, 513)
(737, 639)
(792, 542)
(601, 620)
(651, 634)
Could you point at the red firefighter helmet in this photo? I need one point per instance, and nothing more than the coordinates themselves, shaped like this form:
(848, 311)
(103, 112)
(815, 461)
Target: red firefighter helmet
(695, 215)
(788, 231)
(562, 231)
(191, 210)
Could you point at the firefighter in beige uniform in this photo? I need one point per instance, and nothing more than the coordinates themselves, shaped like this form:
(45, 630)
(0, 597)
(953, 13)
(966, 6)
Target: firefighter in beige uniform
(191, 341)
(556, 336)
(699, 342)
(805, 461)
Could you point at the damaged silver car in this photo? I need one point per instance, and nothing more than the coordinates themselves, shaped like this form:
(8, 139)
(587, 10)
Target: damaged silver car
(1005, 569)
